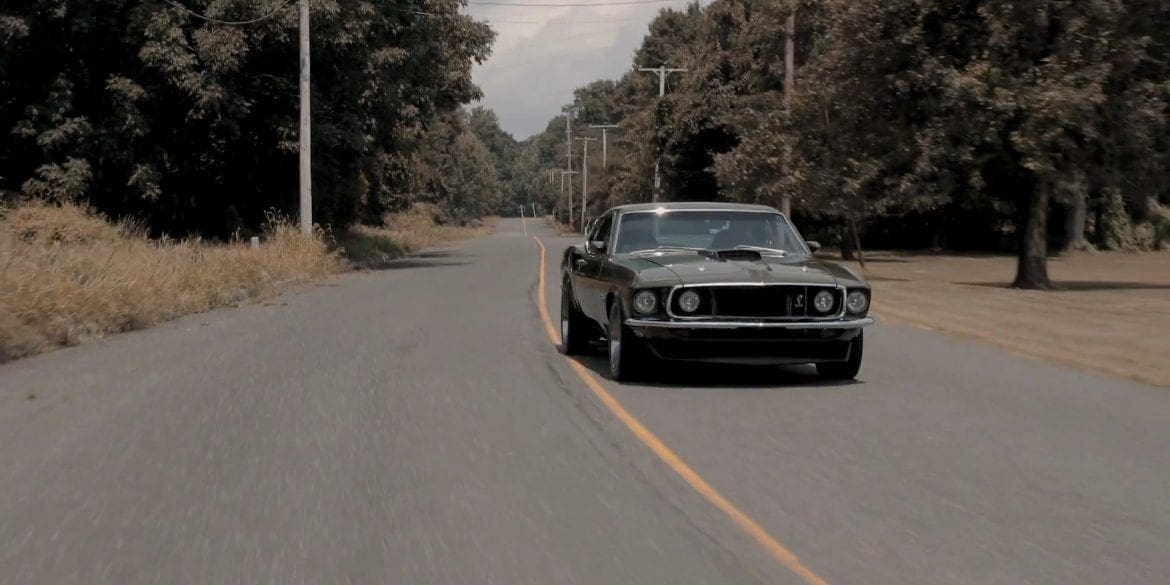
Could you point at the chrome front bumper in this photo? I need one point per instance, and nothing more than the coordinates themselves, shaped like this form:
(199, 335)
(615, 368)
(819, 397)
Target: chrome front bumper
(701, 324)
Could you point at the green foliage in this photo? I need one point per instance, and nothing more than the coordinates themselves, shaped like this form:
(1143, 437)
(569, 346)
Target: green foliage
(536, 169)
(141, 110)
(456, 171)
(1162, 235)
(591, 103)
(1117, 229)
(931, 120)
(501, 148)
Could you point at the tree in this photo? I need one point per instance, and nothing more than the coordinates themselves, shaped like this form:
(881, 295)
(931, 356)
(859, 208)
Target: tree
(501, 147)
(929, 104)
(933, 117)
(456, 171)
(141, 109)
(591, 103)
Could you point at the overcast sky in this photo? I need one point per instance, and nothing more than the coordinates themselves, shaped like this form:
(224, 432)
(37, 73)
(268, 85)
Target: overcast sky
(542, 54)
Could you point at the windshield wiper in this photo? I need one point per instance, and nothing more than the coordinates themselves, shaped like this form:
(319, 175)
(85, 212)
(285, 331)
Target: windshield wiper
(762, 250)
(668, 249)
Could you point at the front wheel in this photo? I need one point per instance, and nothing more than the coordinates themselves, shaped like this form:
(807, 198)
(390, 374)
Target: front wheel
(626, 362)
(574, 340)
(846, 370)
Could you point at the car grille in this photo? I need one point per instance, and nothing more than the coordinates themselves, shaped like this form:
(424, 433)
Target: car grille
(758, 302)
(798, 352)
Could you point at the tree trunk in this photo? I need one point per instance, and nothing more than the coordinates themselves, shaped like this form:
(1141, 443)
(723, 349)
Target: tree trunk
(846, 242)
(1098, 221)
(1032, 269)
(936, 241)
(1074, 224)
(857, 242)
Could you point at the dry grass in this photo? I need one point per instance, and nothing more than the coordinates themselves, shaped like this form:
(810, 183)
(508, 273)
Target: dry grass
(406, 233)
(562, 229)
(1110, 313)
(69, 275)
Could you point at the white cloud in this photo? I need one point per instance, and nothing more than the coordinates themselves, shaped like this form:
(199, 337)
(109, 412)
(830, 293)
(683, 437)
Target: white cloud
(542, 54)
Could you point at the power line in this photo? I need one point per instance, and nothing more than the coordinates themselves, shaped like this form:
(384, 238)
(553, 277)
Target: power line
(403, 10)
(282, 6)
(564, 22)
(527, 98)
(495, 21)
(581, 35)
(543, 61)
(569, 4)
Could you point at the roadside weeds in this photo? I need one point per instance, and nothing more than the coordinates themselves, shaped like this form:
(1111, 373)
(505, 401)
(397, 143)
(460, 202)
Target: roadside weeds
(69, 275)
(404, 234)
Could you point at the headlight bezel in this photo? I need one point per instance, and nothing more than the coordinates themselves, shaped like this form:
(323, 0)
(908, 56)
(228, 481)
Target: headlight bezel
(645, 294)
(821, 295)
(857, 293)
(689, 294)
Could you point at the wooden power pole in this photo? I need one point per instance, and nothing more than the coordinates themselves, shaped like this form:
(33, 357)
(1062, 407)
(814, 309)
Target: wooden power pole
(662, 72)
(585, 140)
(306, 157)
(789, 81)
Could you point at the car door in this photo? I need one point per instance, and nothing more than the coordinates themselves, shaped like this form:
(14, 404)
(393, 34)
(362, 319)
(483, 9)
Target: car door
(592, 290)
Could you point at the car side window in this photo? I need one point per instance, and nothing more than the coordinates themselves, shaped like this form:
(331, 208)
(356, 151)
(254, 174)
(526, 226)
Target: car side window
(601, 231)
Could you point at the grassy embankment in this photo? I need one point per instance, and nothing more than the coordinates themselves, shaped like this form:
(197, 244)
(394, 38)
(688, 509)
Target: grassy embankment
(1109, 313)
(406, 233)
(69, 275)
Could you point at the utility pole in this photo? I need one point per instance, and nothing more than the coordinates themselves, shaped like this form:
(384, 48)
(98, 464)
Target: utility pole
(604, 141)
(569, 144)
(569, 162)
(662, 72)
(568, 201)
(585, 140)
(568, 195)
(306, 159)
(789, 81)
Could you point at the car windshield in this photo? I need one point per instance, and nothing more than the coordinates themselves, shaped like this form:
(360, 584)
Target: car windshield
(707, 230)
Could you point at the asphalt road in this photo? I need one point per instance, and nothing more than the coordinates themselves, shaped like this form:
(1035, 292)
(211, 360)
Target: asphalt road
(416, 426)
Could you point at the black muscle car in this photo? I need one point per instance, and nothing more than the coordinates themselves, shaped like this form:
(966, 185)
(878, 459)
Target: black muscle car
(709, 282)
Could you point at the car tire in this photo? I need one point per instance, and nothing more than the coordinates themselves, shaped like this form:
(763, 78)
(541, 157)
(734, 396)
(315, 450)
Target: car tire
(626, 360)
(574, 329)
(846, 370)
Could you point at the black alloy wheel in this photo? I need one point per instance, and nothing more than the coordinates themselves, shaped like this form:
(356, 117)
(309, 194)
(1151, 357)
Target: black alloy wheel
(846, 370)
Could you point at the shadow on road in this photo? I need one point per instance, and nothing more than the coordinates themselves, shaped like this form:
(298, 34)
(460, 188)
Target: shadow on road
(417, 263)
(424, 259)
(1082, 285)
(682, 374)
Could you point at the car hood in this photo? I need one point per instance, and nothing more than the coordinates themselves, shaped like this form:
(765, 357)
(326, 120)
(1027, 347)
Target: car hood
(702, 269)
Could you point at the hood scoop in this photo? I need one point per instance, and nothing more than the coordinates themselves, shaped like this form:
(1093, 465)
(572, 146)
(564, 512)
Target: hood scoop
(725, 255)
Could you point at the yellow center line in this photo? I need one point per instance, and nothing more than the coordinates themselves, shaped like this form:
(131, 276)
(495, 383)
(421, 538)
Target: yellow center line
(669, 457)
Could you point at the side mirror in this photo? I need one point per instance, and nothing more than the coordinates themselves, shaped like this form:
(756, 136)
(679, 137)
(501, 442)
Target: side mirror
(813, 245)
(596, 246)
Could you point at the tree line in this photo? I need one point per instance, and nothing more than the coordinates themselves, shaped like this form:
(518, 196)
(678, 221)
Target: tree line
(140, 109)
(1026, 125)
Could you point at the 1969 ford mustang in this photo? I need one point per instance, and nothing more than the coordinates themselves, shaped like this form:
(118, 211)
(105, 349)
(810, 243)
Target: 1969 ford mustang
(709, 282)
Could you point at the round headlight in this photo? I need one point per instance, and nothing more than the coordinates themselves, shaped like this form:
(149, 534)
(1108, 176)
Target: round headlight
(645, 302)
(823, 302)
(857, 302)
(689, 301)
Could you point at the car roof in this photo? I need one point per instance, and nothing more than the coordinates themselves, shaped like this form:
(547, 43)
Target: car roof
(693, 206)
